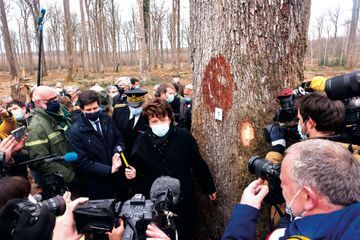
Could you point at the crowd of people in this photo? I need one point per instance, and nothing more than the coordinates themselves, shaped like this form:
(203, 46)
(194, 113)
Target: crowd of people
(125, 139)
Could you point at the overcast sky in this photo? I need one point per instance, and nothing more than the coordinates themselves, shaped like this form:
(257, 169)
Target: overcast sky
(318, 7)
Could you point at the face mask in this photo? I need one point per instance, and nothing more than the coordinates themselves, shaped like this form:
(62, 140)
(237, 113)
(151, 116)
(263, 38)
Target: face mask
(92, 116)
(160, 130)
(170, 98)
(288, 207)
(18, 114)
(187, 100)
(137, 86)
(135, 111)
(175, 80)
(299, 129)
(53, 106)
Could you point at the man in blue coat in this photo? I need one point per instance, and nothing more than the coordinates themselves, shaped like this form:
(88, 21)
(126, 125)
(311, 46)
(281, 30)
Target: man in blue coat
(321, 186)
(95, 138)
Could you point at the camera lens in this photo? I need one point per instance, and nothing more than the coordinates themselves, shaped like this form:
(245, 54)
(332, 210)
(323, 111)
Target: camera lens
(263, 168)
(56, 205)
(343, 86)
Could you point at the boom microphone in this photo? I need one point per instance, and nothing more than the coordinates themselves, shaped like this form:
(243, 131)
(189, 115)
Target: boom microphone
(165, 187)
(68, 157)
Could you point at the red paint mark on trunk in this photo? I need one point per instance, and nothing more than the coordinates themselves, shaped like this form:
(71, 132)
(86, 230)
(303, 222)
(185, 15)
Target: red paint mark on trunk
(217, 85)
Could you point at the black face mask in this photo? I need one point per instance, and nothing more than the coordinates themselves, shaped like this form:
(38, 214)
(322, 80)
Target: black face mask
(92, 116)
(53, 106)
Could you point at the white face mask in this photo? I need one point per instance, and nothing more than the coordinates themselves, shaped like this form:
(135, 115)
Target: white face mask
(161, 129)
(170, 98)
(135, 111)
(299, 129)
(18, 114)
(288, 209)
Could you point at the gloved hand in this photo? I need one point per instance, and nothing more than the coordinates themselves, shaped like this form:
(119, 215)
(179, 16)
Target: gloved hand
(7, 218)
(42, 229)
(277, 136)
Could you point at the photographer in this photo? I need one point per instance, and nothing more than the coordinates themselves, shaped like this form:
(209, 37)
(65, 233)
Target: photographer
(318, 117)
(321, 186)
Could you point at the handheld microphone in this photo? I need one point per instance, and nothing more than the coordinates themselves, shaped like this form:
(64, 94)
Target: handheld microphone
(120, 151)
(165, 186)
(68, 157)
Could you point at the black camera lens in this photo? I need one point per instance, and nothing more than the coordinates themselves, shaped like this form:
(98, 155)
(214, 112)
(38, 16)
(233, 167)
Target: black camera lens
(56, 205)
(343, 86)
(263, 168)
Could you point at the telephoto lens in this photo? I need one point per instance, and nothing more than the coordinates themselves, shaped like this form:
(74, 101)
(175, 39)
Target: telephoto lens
(263, 168)
(56, 205)
(343, 86)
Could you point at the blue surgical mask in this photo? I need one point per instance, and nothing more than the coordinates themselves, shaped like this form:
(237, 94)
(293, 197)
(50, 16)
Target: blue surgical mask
(92, 116)
(299, 129)
(161, 129)
(188, 100)
(288, 209)
(53, 106)
(170, 98)
(135, 111)
(18, 114)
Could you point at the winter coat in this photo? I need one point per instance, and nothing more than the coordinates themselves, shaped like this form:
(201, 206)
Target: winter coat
(95, 152)
(47, 137)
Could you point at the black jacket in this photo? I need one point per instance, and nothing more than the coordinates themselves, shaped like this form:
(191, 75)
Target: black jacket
(122, 122)
(95, 155)
(178, 158)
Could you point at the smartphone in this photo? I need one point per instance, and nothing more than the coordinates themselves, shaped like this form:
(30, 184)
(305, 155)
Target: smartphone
(19, 133)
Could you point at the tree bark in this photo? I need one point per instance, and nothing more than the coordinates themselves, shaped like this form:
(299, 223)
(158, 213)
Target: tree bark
(84, 42)
(7, 41)
(113, 34)
(69, 42)
(243, 53)
(142, 43)
(350, 57)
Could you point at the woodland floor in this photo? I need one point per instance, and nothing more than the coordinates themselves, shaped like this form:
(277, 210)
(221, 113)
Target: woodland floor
(156, 76)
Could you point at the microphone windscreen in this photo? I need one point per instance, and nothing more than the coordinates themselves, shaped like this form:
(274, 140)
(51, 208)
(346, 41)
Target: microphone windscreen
(70, 157)
(162, 184)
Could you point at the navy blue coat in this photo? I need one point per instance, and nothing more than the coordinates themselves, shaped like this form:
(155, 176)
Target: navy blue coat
(95, 156)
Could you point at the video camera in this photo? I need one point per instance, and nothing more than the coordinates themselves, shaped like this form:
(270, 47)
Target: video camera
(99, 216)
(55, 205)
(270, 172)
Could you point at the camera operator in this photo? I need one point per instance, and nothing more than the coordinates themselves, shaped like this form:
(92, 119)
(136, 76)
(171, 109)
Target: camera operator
(321, 186)
(318, 117)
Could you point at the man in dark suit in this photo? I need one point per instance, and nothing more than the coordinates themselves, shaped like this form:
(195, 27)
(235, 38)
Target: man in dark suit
(95, 138)
(129, 122)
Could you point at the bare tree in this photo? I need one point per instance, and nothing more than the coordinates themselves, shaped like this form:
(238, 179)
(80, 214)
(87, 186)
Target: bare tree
(7, 41)
(25, 14)
(334, 15)
(141, 40)
(352, 35)
(234, 70)
(84, 42)
(113, 34)
(320, 25)
(34, 10)
(69, 41)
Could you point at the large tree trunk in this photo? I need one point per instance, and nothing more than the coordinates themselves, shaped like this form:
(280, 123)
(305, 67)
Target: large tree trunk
(243, 54)
(7, 41)
(69, 42)
(142, 42)
(350, 54)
